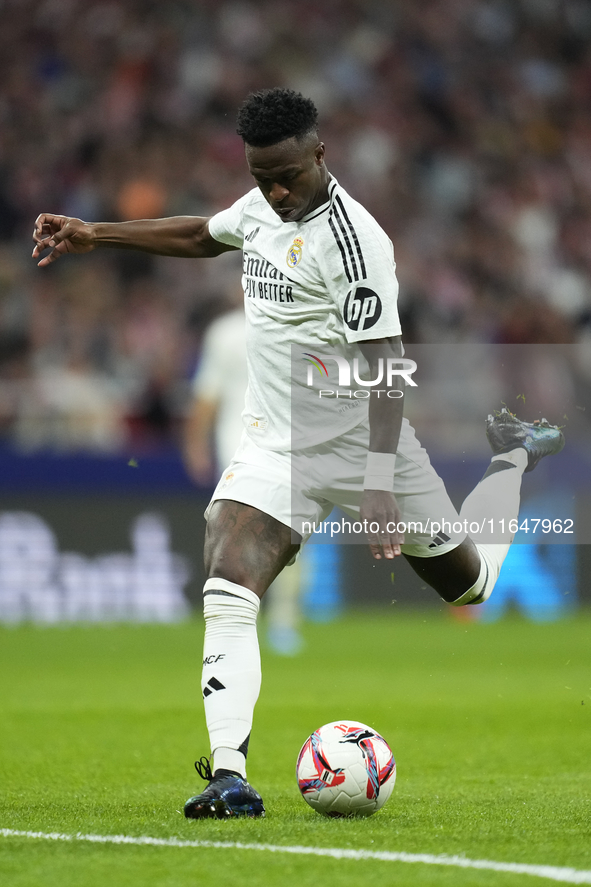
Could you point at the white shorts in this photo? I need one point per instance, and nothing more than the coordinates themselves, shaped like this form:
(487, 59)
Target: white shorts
(300, 489)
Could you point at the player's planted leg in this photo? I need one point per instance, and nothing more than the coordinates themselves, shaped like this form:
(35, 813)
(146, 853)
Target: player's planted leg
(245, 549)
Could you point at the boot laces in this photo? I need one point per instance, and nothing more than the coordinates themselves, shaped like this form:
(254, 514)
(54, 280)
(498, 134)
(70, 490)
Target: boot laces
(203, 768)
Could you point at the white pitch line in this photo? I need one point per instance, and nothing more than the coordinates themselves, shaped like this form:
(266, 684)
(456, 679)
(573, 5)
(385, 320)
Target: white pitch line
(553, 873)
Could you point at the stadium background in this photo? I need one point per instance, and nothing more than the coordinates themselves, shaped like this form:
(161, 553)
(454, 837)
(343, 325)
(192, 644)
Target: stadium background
(464, 126)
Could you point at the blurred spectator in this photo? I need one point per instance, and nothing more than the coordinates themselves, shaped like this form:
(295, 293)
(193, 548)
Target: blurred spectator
(464, 126)
(214, 421)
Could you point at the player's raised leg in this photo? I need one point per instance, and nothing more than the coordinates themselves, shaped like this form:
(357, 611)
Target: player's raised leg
(467, 574)
(245, 549)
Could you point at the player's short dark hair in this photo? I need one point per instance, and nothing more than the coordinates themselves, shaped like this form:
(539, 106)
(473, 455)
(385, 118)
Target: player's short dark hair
(273, 115)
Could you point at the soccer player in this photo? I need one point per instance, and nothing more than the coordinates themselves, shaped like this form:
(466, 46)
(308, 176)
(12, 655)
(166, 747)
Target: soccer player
(319, 275)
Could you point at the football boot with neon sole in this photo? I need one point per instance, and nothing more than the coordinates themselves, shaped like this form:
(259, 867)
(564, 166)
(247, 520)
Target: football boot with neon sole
(226, 796)
(506, 432)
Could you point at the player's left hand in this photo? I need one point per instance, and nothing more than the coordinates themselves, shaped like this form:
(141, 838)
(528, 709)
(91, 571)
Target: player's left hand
(380, 508)
(61, 234)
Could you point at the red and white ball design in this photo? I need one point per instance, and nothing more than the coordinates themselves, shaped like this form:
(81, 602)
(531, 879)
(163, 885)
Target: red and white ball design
(346, 769)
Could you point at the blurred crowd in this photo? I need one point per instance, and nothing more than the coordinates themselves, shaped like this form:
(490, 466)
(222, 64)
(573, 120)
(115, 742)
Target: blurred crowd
(464, 126)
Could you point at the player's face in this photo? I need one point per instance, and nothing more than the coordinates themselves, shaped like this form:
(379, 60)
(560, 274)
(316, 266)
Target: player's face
(291, 175)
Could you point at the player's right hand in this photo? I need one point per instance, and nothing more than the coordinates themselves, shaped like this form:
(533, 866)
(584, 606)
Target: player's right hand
(61, 235)
(379, 507)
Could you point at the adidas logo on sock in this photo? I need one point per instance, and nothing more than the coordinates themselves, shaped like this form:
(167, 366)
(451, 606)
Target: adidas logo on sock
(440, 539)
(212, 684)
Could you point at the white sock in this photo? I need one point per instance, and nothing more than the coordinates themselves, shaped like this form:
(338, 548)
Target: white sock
(231, 678)
(495, 498)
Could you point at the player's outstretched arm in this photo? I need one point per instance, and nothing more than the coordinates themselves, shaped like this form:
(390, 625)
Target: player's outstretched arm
(183, 236)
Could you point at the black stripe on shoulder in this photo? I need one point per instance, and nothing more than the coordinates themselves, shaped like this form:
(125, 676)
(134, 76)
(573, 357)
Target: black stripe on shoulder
(353, 235)
(340, 246)
(345, 235)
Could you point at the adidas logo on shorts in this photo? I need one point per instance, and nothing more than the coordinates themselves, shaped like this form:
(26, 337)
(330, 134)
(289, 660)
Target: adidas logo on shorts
(439, 539)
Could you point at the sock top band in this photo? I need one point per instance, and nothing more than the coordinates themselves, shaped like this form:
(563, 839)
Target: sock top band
(231, 588)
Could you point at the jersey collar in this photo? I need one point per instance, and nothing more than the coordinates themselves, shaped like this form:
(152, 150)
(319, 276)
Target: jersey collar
(325, 206)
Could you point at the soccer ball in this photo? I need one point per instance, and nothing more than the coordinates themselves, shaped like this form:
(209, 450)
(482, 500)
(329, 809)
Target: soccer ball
(346, 769)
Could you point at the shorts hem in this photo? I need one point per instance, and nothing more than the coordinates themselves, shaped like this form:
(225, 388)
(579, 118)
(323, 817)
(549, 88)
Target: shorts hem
(426, 551)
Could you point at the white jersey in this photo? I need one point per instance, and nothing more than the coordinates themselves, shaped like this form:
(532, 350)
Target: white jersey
(312, 289)
(222, 378)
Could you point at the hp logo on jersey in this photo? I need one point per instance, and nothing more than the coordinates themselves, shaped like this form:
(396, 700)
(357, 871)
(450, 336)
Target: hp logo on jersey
(363, 309)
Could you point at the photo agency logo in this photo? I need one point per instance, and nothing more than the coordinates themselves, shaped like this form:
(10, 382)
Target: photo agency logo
(389, 372)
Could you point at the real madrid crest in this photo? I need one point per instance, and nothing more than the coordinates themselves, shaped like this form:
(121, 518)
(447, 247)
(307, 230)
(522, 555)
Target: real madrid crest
(294, 253)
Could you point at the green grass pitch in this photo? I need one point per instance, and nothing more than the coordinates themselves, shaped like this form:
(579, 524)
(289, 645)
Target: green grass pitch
(490, 726)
